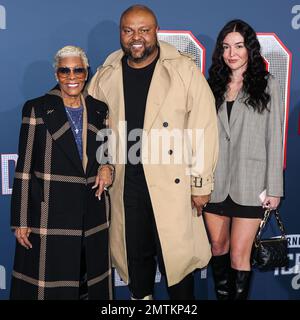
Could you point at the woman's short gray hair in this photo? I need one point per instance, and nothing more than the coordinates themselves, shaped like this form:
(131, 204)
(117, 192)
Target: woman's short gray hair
(70, 51)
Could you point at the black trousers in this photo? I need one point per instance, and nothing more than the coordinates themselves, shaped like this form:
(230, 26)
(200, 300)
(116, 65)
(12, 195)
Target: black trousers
(142, 242)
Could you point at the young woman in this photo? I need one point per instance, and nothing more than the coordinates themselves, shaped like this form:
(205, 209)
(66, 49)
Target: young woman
(250, 123)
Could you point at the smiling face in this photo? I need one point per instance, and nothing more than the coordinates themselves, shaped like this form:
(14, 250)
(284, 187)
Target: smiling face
(235, 53)
(138, 37)
(71, 74)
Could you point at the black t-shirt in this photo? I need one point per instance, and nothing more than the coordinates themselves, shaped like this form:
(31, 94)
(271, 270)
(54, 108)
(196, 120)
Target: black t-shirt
(229, 108)
(136, 83)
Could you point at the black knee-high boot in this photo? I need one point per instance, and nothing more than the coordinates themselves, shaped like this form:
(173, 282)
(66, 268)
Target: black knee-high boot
(241, 284)
(221, 269)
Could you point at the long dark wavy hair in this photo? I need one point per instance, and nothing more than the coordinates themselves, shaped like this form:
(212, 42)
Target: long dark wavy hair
(255, 77)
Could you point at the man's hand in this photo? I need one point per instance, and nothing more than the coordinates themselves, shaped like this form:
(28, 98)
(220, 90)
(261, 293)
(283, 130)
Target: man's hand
(200, 202)
(22, 235)
(103, 180)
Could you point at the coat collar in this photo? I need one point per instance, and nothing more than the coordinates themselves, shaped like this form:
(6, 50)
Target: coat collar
(57, 123)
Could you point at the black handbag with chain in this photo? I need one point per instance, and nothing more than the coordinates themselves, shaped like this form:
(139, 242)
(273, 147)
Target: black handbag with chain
(268, 254)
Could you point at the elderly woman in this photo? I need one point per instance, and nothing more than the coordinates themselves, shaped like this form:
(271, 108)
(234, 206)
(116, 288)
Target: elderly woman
(61, 227)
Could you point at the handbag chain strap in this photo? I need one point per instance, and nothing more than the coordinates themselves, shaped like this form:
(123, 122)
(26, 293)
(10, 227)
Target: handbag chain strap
(264, 222)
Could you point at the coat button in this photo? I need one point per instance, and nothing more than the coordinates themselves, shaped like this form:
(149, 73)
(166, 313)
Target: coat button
(165, 124)
(177, 180)
(170, 152)
(227, 138)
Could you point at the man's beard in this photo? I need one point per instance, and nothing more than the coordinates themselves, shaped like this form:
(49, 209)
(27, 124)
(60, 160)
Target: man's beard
(147, 52)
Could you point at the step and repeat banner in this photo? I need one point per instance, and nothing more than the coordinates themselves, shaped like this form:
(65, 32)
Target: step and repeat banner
(32, 31)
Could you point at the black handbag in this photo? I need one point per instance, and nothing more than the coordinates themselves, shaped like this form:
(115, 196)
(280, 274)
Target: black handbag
(268, 254)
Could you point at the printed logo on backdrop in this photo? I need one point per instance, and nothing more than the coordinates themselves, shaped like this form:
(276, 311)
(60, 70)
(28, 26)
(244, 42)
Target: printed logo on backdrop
(2, 278)
(296, 19)
(2, 18)
(8, 164)
(294, 256)
(278, 59)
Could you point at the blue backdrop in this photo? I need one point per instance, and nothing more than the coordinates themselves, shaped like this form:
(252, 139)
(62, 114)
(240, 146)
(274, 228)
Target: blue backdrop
(32, 31)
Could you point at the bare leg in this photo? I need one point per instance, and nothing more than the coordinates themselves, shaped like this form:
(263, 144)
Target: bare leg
(219, 233)
(243, 232)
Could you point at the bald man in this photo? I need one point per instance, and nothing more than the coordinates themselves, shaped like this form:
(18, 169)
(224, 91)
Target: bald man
(150, 86)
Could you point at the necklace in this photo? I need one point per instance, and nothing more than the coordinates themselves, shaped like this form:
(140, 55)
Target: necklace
(73, 122)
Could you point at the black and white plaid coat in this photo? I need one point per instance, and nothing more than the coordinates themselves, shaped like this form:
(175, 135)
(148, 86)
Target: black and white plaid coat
(52, 194)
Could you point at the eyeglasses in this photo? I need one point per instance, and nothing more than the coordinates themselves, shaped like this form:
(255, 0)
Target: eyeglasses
(66, 71)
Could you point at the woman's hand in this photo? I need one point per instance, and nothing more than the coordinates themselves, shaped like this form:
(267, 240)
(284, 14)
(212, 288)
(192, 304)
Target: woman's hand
(103, 180)
(271, 202)
(22, 235)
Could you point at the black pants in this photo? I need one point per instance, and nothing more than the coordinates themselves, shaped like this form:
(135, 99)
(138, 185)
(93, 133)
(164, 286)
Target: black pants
(142, 242)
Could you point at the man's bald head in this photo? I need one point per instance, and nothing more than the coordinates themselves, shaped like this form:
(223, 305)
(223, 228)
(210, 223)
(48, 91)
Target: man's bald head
(138, 35)
(136, 9)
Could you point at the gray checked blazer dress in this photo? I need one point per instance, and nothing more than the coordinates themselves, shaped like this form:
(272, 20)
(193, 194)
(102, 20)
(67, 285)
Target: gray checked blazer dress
(251, 150)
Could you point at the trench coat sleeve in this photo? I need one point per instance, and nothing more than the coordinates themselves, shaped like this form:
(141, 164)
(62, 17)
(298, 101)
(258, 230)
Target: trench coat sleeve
(20, 201)
(274, 141)
(202, 117)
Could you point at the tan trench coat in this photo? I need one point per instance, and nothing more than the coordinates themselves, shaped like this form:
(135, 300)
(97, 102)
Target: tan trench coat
(179, 97)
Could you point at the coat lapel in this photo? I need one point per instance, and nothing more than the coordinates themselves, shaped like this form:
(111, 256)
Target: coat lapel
(160, 83)
(236, 109)
(222, 113)
(84, 134)
(57, 123)
(92, 143)
(236, 112)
